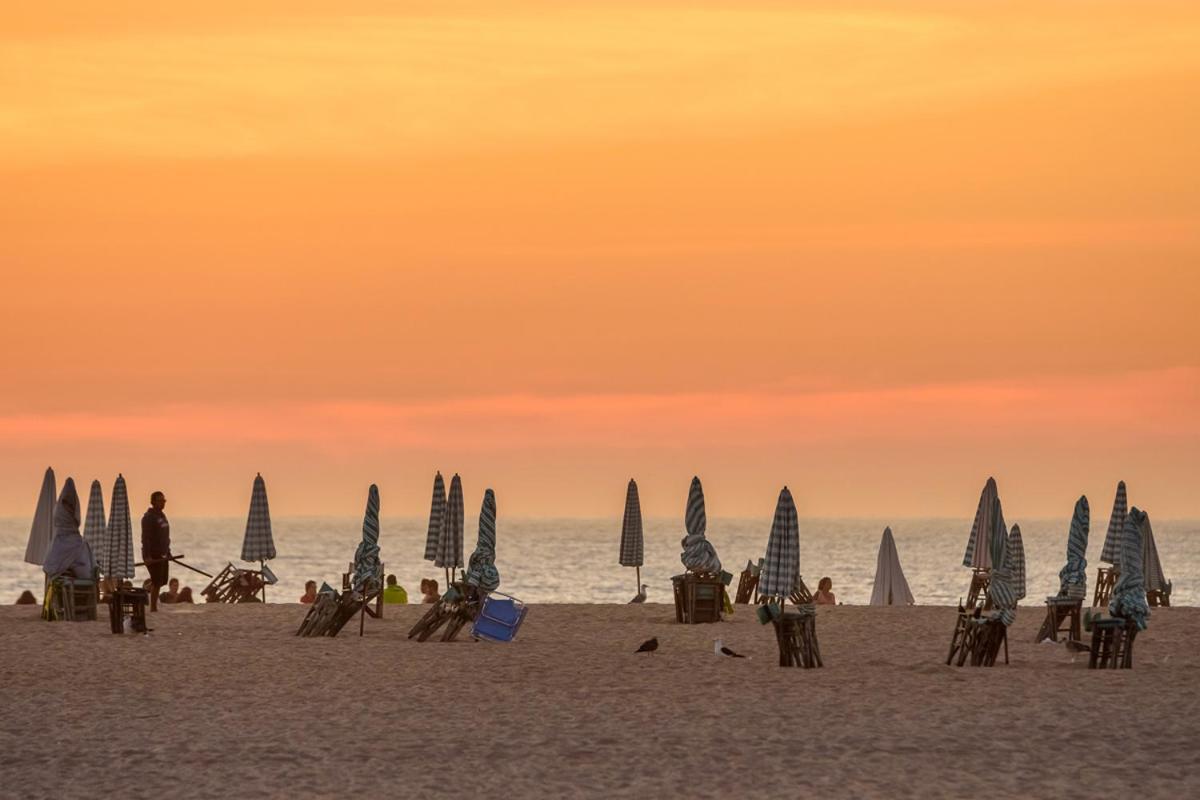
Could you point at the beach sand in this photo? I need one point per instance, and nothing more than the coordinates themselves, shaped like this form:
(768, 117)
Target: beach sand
(225, 701)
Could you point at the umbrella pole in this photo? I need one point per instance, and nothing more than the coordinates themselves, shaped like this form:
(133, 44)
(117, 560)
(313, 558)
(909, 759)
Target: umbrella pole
(447, 578)
(261, 565)
(639, 581)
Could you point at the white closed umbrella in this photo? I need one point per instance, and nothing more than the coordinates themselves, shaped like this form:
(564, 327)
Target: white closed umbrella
(891, 587)
(41, 533)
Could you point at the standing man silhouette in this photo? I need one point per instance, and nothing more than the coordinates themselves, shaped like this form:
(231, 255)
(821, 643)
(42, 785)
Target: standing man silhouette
(156, 545)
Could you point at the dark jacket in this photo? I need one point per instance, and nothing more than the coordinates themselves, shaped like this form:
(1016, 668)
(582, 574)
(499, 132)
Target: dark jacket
(156, 534)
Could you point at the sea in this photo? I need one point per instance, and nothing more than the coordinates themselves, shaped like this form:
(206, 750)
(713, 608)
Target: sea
(575, 560)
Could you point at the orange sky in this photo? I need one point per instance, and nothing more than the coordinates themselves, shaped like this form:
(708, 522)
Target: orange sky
(877, 251)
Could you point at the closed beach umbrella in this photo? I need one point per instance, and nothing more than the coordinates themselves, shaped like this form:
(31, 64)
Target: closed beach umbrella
(891, 587)
(366, 556)
(632, 539)
(1111, 552)
(258, 544)
(481, 571)
(781, 568)
(1016, 562)
(41, 533)
(1129, 595)
(1152, 571)
(450, 547)
(1000, 588)
(437, 513)
(94, 524)
(1072, 578)
(698, 553)
(988, 519)
(118, 535)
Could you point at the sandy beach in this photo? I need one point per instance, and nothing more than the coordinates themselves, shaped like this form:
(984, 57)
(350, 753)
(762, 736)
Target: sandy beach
(222, 699)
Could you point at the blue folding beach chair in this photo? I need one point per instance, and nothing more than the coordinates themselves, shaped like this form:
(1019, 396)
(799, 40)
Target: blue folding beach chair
(499, 619)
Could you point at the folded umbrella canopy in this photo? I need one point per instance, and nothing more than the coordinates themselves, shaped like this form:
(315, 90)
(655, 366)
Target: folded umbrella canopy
(93, 524)
(1000, 587)
(891, 587)
(41, 533)
(1129, 595)
(1072, 578)
(698, 553)
(437, 514)
(367, 569)
(1152, 571)
(450, 546)
(780, 574)
(481, 570)
(1015, 555)
(1111, 552)
(68, 550)
(988, 519)
(118, 535)
(632, 539)
(258, 543)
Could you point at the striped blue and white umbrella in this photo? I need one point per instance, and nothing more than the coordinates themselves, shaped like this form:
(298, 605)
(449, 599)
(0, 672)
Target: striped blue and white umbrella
(1000, 586)
(118, 535)
(698, 553)
(481, 570)
(1111, 552)
(1015, 556)
(367, 569)
(1129, 595)
(1072, 578)
(94, 524)
(450, 546)
(632, 539)
(1152, 570)
(41, 533)
(781, 568)
(437, 514)
(989, 518)
(258, 544)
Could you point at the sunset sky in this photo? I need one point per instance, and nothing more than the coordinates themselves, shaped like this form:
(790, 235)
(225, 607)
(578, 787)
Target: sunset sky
(876, 251)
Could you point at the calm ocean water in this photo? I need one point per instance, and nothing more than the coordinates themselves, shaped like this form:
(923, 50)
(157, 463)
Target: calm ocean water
(575, 560)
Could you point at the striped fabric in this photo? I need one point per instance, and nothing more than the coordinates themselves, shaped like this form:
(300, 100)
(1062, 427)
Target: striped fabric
(41, 533)
(891, 587)
(1152, 571)
(698, 553)
(1111, 552)
(781, 568)
(367, 569)
(1016, 561)
(1000, 585)
(118, 535)
(1072, 578)
(481, 570)
(450, 546)
(632, 540)
(94, 523)
(988, 516)
(1129, 595)
(437, 512)
(258, 544)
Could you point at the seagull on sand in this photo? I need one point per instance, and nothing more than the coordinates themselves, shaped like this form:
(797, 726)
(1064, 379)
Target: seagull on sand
(640, 597)
(720, 649)
(648, 646)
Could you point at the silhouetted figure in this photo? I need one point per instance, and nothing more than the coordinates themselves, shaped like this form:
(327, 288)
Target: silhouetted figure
(156, 545)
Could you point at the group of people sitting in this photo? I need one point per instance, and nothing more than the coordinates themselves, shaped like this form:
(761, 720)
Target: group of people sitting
(173, 594)
(393, 592)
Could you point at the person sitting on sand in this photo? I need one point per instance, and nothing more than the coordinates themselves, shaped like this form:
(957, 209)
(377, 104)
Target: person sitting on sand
(824, 595)
(310, 593)
(429, 591)
(394, 593)
(171, 595)
(185, 595)
(27, 599)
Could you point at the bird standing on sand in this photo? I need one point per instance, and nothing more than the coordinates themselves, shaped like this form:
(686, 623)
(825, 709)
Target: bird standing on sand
(648, 646)
(720, 649)
(640, 597)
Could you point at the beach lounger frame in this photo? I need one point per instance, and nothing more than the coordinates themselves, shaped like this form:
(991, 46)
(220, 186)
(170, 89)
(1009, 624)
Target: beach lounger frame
(499, 619)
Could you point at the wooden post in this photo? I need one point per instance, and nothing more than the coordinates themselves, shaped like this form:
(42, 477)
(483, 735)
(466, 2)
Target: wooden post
(261, 565)
(639, 581)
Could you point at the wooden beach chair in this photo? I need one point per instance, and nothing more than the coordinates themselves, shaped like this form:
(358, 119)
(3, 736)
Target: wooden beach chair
(801, 596)
(1156, 598)
(747, 590)
(124, 603)
(981, 579)
(796, 635)
(1061, 610)
(72, 599)
(977, 640)
(374, 594)
(235, 585)
(699, 597)
(1106, 579)
(456, 608)
(1112, 643)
